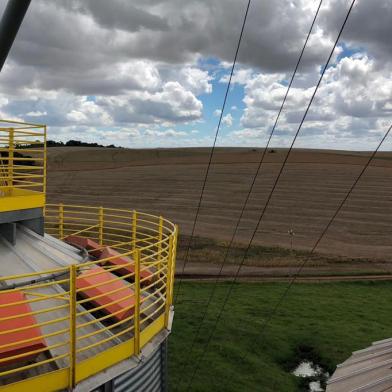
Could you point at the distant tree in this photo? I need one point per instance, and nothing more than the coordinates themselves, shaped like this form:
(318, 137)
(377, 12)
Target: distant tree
(52, 143)
(75, 143)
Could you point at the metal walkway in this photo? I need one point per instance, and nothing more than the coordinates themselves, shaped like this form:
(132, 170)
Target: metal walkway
(49, 253)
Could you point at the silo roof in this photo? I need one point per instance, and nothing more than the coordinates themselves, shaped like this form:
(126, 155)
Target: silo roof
(367, 370)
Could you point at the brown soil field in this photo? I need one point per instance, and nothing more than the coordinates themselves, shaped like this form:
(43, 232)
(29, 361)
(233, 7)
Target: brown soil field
(168, 182)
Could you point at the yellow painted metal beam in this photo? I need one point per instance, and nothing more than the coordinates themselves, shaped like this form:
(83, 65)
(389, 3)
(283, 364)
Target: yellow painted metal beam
(104, 360)
(157, 251)
(22, 201)
(153, 329)
(53, 381)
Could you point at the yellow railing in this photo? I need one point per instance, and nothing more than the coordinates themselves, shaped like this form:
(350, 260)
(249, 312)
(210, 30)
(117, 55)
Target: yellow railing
(81, 338)
(22, 158)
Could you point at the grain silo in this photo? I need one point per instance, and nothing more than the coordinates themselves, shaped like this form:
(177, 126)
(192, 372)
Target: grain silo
(86, 292)
(367, 370)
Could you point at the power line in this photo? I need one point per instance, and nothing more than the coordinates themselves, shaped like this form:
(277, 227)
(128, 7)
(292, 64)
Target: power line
(270, 196)
(213, 149)
(332, 219)
(325, 230)
(252, 185)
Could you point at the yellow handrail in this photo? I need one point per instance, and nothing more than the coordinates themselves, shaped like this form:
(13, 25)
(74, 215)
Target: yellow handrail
(22, 165)
(86, 326)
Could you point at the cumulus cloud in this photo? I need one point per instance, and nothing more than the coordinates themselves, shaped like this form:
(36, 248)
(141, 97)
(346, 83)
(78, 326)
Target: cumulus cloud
(176, 31)
(165, 133)
(120, 15)
(172, 104)
(106, 36)
(353, 101)
(84, 75)
(227, 120)
(110, 66)
(369, 26)
(36, 114)
(206, 28)
(195, 79)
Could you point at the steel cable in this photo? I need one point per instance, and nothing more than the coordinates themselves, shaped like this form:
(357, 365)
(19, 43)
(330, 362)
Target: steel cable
(227, 250)
(212, 152)
(269, 198)
(326, 228)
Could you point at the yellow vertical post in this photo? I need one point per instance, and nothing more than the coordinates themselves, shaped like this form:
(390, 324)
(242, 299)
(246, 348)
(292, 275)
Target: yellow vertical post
(61, 221)
(134, 229)
(173, 263)
(160, 236)
(11, 142)
(44, 169)
(168, 281)
(137, 302)
(72, 326)
(101, 223)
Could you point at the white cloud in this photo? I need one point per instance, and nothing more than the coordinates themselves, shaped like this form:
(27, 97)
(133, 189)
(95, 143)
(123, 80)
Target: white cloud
(138, 74)
(171, 104)
(121, 136)
(89, 113)
(36, 114)
(145, 65)
(195, 79)
(77, 116)
(351, 102)
(152, 100)
(241, 76)
(3, 101)
(166, 133)
(227, 120)
(248, 133)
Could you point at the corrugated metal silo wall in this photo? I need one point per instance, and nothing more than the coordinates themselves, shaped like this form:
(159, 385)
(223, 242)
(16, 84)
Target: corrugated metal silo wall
(151, 376)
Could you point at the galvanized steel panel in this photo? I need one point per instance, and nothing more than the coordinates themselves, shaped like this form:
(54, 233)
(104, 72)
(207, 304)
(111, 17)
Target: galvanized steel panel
(150, 376)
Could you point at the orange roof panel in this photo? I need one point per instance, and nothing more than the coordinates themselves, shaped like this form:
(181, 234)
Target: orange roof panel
(86, 243)
(111, 302)
(7, 335)
(128, 265)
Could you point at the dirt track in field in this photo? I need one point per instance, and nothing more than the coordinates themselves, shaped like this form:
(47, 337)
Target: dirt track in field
(168, 182)
(299, 279)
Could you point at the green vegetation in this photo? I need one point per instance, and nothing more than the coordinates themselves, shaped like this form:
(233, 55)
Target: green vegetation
(209, 250)
(77, 143)
(324, 322)
(279, 261)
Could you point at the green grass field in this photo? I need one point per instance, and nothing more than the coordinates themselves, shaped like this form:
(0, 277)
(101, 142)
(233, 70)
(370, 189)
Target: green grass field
(324, 322)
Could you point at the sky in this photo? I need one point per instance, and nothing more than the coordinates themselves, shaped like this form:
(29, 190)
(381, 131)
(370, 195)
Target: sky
(153, 73)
